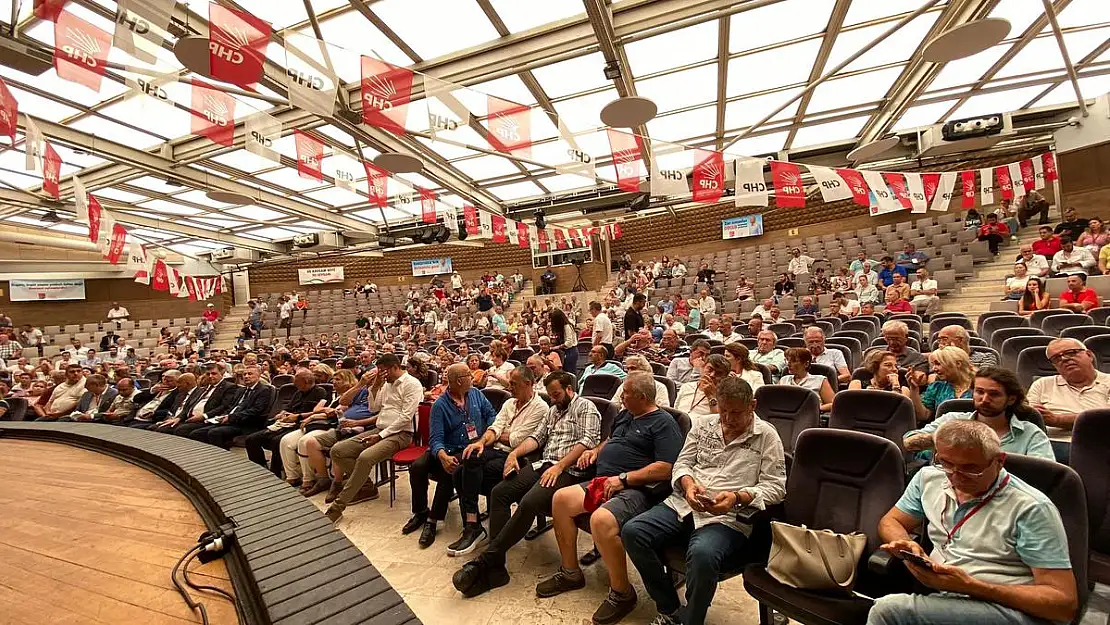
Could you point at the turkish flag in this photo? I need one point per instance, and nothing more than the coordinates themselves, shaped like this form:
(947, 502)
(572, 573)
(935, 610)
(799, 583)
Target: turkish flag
(427, 205)
(237, 44)
(560, 239)
(897, 185)
(470, 218)
(497, 223)
(9, 112)
(1028, 174)
(376, 185)
(626, 159)
(931, 182)
(115, 248)
(386, 91)
(1049, 159)
(49, 9)
(51, 172)
(789, 190)
(709, 176)
(80, 50)
(967, 180)
(213, 114)
(522, 234)
(160, 281)
(1002, 181)
(310, 155)
(855, 182)
(510, 127)
(541, 239)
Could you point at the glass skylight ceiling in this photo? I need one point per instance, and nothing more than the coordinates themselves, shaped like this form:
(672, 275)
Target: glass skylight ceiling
(768, 58)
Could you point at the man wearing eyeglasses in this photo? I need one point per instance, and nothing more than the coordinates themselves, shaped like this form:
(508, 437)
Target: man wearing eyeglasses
(1077, 387)
(1000, 554)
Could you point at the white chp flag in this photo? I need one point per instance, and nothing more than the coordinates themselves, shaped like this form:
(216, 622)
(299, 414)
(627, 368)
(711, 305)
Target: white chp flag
(915, 188)
(578, 161)
(80, 200)
(882, 200)
(533, 240)
(667, 175)
(136, 258)
(262, 131)
(312, 86)
(1038, 173)
(832, 186)
(511, 233)
(151, 92)
(344, 170)
(986, 186)
(141, 27)
(751, 187)
(1015, 181)
(485, 225)
(33, 146)
(945, 189)
(107, 223)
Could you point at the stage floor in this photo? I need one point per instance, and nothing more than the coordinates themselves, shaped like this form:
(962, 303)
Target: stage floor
(88, 538)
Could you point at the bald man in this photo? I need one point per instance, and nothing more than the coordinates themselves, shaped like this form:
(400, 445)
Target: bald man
(307, 398)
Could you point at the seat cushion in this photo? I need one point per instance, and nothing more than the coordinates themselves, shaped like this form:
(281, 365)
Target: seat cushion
(409, 455)
(1099, 570)
(811, 608)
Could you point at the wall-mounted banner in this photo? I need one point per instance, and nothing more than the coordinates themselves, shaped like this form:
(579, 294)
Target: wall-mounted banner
(740, 227)
(431, 266)
(46, 290)
(320, 275)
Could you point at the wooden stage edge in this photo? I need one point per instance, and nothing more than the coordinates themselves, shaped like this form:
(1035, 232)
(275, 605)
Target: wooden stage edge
(287, 564)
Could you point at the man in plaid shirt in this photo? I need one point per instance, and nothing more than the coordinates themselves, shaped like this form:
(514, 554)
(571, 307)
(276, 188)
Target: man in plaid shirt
(8, 347)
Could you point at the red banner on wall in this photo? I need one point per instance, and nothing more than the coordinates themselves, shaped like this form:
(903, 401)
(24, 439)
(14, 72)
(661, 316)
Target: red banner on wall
(1028, 175)
(237, 44)
(789, 190)
(708, 176)
(1049, 160)
(386, 91)
(310, 156)
(626, 159)
(80, 50)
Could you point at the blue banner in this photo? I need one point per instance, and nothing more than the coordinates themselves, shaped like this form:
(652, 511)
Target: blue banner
(739, 227)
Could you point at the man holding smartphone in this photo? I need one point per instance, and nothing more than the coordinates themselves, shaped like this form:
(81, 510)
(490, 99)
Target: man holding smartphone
(1000, 553)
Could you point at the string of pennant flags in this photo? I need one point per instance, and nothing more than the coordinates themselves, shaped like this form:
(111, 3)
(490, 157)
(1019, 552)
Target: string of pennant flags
(237, 45)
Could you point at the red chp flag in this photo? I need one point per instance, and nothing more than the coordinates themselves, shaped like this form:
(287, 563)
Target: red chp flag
(1028, 174)
(931, 182)
(510, 127)
(95, 211)
(160, 280)
(967, 195)
(237, 44)
(80, 50)
(376, 185)
(497, 222)
(541, 239)
(560, 239)
(789, 190)
(386, 91)
(49, 9)
(51, 172)
(854, 180)
(626, 159)
(9, 112)
(470, 218)
(1049, 160)
(428, 206)
(708, 176)
(213, 114)
(522, 234)
(115, 247)
(1002, 181)
(613, 231)
(310, 156)
(897, 184)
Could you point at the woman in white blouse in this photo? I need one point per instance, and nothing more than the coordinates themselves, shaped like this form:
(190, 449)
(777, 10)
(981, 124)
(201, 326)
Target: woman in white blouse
(497, 376)
(798, 360)
(1015, 284)
(740, 363)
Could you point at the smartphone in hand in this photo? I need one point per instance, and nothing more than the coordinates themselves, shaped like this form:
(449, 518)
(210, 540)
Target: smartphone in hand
(921, 561)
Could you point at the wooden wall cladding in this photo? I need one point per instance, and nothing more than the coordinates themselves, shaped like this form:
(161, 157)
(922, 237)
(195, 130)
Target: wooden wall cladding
(140, 300)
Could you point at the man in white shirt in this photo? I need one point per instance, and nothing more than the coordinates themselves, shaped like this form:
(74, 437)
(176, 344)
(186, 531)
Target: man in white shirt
(456, 281)
(713, 332)
(764, 308)
(679, 271)
(64, 397)
(868, 270)
(924, 292)
(285, 315)
(815, 343)
(1071, 259)
(707, 304)
(799, 263)
(117, 313)
(1036, 264)
(603, 329)
(1078, 386)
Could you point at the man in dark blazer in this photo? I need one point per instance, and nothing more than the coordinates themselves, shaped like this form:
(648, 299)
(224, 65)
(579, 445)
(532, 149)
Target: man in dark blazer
(248, 414)
(216, 398)
(96, 400)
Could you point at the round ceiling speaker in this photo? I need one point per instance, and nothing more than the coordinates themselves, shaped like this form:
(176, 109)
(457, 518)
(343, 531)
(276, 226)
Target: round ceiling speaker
(966, 40)
(194, 55)
(399, 163)
(628, 112)
(869, 151)
(227, 197)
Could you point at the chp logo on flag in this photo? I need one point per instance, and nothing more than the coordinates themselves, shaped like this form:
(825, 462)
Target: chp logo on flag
(386, 91)
(376, 185)
(509, 126)
(860, 192)
(310, 154)
(51, 172)
(80, 50)
(709, 176)
(213, 114)
(789, 190)
(9, 112)
(237, 44)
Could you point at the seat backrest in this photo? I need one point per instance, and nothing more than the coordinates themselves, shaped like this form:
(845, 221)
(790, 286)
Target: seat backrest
(1090, 440)
(979, 323)
(1055, 324)
(1062, 484)
(1011, 347)
(790, 409)
(1082, 333)
(861, 336)
(497, 397)
(602, 385)
(785, 343)
(1001, 334)
(281, 380)
(860, 325)
(955, 405)
(844, 481)
(1001, 320)
(1033, 363)
(889, 415)
(683, 419)
(1100, 345)
(608, 415)
(829, 372)
(669, 384)
(782, 330)
(17, 409)
(284, 395)
(1038, 316)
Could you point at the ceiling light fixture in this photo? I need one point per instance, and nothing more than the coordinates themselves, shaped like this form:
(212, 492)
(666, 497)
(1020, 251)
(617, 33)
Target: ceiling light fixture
(193, 53)
(966, 40)
(628, 112)
(398, 163)
(227, 197)
(869, 151)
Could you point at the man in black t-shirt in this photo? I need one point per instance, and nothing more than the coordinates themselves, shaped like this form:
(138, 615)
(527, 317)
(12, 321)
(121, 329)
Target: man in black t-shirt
(634, 316)
(485, 301)
(1072, 225)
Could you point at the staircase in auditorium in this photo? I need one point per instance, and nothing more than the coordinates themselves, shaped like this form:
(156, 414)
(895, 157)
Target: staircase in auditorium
(975, 295)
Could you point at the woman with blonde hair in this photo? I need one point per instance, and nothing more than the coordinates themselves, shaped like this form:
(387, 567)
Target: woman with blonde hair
(951, 378)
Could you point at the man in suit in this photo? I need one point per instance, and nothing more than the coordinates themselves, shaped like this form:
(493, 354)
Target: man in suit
(95, 401)
(308, 397)
(149, 400)
(247, 415)
(170, 407)
(214, 399)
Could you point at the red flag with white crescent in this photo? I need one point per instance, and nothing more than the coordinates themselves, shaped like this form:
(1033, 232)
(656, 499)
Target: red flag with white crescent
(160, 280)
(1002, 181)
(789, 190)
(854, 180)
(386, 91)
(522, 234)
(310, 156)
(213, 114)
(51, 172)
(9, 112)
(115, 247)
(967, 182)
(541, 239)
(497, 223)
(931, 182)
(80, 50)
(626, 159)
(237, 44)
(470, 218)
(510, 127)
(897, 185)
(1049, 159)
(709, 176)
(1028, 174)
(427, 205)
(49, 10)
(376, 185)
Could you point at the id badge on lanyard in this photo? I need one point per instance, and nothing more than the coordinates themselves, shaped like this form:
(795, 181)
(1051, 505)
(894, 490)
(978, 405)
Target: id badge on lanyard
(471, 429)
(951, 533)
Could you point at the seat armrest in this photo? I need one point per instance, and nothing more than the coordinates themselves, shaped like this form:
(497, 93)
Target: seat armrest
(883, 562)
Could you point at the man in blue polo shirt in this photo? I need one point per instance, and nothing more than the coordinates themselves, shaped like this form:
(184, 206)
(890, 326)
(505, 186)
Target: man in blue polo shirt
(1000, 554)
(886, 274)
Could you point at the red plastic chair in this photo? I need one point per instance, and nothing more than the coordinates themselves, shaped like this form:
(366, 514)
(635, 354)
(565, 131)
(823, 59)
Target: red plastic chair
(402, 460)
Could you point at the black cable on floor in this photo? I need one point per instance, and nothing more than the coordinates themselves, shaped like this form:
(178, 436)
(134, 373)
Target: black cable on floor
(203, 587)
(196, 606)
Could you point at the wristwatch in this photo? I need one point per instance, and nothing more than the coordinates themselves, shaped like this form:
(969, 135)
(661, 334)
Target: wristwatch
(623, 477)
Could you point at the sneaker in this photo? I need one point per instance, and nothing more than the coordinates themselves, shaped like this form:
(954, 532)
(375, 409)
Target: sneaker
(473, 535)
(468, 575)
(368, 492)
(591, 556)
(415, 523)
(615, 607)
(333, 492)
(562, 581)
(428, 534)
(334, 513)
(493, 576)
(319, 486)
(666, 619)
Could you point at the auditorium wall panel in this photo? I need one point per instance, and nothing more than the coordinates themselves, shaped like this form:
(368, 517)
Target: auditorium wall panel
(140, 300)
(1085, 180)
